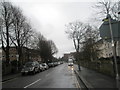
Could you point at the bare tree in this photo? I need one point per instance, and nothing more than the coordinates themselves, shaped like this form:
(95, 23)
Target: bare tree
(46, 48)
(89, 48)
(76, 31)
(6, 16)
(22, 31)
(37, 36)
(105, 7)
(53, 47)
(116, 10)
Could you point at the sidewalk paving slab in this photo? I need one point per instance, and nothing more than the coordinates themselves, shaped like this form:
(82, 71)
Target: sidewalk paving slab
(96, 79)
(10, 76)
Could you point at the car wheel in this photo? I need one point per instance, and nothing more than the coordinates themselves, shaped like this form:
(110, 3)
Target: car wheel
(33, 72)
(39, 70)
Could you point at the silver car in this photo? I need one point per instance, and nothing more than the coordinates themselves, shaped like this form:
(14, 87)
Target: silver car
(41, 68)
(30, 67)
(45, 66)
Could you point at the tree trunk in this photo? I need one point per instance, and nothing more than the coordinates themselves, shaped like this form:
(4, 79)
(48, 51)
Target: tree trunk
(20, 55)
(7, 47)
(78, 61)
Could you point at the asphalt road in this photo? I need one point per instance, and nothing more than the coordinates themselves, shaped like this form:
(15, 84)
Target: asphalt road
(60, 76)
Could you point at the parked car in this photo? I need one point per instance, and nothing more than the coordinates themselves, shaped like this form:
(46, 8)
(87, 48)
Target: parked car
(51, 64)
(30, 67)
(55, 63)
(59, 63)
(45, 66)
(41, 68)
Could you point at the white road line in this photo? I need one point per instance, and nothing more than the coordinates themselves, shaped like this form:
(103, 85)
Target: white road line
(77, 83)
(32, 83)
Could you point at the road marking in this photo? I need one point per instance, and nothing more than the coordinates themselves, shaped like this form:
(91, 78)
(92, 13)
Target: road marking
(32, 83)
(77, 83)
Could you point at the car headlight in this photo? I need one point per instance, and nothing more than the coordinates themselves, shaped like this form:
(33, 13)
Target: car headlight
(31, 69)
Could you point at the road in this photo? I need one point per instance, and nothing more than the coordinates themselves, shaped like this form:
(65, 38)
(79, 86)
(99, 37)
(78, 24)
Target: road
(60, 76)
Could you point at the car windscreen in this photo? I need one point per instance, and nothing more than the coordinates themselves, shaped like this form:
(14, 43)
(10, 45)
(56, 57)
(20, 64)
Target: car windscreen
(43, 64)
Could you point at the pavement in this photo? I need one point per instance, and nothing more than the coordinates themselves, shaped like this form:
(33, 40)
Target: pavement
(94, 79)
(10, 76)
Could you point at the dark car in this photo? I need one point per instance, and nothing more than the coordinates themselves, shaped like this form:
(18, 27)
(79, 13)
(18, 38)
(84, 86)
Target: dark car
(30, 67)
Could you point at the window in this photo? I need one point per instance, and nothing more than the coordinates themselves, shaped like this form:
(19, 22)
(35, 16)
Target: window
(109, 54)
(108, 45)
(106, 54)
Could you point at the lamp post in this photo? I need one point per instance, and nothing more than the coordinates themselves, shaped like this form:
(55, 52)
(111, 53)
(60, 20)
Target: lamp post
(114, 52)
(109, 32)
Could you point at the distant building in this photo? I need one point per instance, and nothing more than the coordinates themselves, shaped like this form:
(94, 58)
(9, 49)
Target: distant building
(65, 57)
(69, 55)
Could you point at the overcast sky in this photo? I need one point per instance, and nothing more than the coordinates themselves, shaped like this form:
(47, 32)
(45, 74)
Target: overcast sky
(50, 16)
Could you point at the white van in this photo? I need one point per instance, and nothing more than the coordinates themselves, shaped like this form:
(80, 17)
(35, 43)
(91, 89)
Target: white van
(70, 62)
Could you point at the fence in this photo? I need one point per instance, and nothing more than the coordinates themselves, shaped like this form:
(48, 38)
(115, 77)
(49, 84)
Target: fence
(103, 66)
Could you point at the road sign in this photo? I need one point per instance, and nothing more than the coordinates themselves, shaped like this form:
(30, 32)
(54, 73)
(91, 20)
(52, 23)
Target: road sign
(105, 30)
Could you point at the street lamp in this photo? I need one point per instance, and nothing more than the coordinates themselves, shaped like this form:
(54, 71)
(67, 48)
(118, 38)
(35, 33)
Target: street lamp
(114, 50)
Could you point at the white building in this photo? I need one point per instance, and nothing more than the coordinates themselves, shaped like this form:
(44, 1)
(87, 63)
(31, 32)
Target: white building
(105, 49)
(118, 48)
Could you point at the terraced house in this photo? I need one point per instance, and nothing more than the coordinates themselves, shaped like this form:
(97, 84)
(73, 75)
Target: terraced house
(27, 54)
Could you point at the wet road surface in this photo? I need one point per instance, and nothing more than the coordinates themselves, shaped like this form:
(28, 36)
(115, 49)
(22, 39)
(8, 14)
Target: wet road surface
(60, 76)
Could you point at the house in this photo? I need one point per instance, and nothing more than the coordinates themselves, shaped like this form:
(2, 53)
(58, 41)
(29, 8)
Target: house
(69, 55)
(27, 54)
(105, 49)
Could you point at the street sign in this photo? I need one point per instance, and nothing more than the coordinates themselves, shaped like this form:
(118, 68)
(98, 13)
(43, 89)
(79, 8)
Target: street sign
(105, 30)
